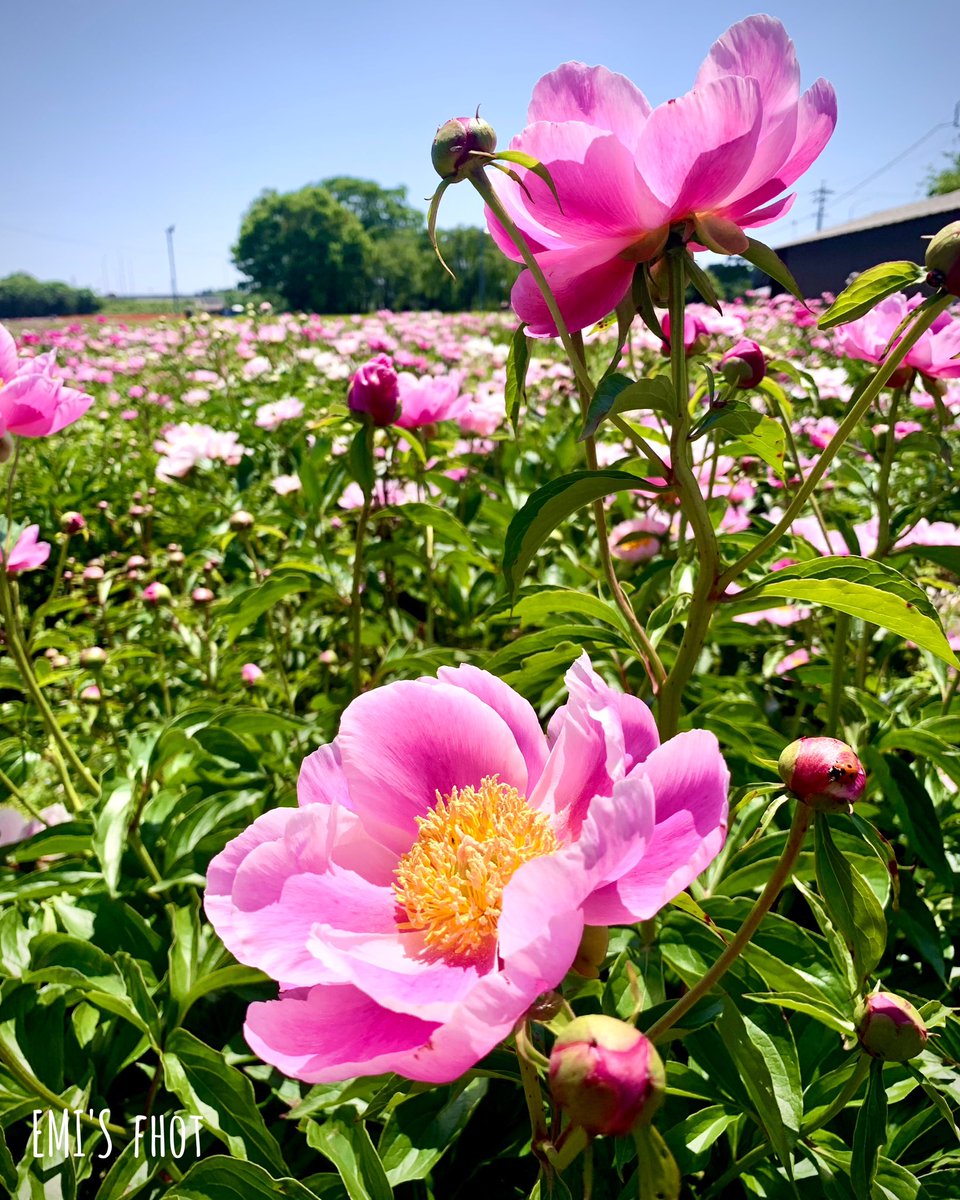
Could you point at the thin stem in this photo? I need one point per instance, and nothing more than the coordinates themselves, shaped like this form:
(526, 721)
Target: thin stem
(873, 389)
(775, 884)
(355, 613)
(839, 672)
(18, 795)
(882, 495)
(530, 1079)
(736, 1169)
(641, 444)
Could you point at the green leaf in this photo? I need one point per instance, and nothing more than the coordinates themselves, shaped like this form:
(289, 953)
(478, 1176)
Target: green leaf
(766, 441)
(915, 809)
(657, 1173)
(110, 834)
(552, 601)
(222, 1097)
(550, 505)
(868, 289)
(247, 607)
(444, 524)
(701, 282)
(869, 1134)
(866, 589)
(515, 393)
(850, 901)
(130, 1172)
(531, 164)
(360, 459)
(8, 1170)
(420, 1130)
(222, 1178)
(820, 1009)
(345, 1141)
(770, 263)
(619, 393)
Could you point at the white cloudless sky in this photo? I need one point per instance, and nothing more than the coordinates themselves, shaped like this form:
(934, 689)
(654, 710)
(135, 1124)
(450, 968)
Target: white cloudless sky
(124, 118)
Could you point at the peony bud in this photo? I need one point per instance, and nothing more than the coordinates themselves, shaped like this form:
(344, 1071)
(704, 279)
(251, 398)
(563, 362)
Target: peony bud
(456, 142)
(374, 392)
(943, 259)
(90, 694)
(251, 674)
(592, 951)
(744, 366)
(891, 1028)
(694, 334)
(202, 595)
(823, 772)
(72, 522)
(156, 593)
(241, 520)
(6, 447)
(93, 658)
(606, 1075)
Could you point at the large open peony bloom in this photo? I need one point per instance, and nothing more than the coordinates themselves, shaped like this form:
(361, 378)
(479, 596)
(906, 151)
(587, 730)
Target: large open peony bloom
(34, 402)
(445, 857)
(934, 354)
(626, 172)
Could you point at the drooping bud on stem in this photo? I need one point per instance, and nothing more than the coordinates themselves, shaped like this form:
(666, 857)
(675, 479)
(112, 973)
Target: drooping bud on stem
(891, 1028)
(823, 772)
(456, 143)
(743, 366)
(606, 1075)
(943, 259)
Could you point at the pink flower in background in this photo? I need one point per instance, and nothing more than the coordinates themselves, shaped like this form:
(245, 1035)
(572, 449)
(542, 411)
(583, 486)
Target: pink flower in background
(251, 674)
(15, 827)
(33, 401)
(27, 553)
(283, 485)
(430, 399)
(638, 540)
(184, 446)
(721, 155)
(272, 416)
(934, 354)
(358, 900)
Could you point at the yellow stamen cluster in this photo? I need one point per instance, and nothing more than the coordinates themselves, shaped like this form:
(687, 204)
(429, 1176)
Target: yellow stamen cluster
(451, 880)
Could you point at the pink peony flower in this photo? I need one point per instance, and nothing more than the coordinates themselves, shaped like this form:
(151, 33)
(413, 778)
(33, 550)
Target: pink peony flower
(283, 485)
(375, 391)
(33, 401)
(430, 399)
(272, 416)
(721, 155)
(27, 553)
(934, 354)
(445, 857)
(251, 674)
(15, 827)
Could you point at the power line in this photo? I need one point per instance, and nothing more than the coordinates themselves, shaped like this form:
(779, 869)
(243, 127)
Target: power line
(954, 124)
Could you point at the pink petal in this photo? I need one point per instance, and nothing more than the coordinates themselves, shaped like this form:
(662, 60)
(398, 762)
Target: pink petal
(696, 149)
(575, 92)
(690, 780)
(331, 1033)
(71, 405)
(515, 710)
(321, 779)
(588, 283)
(8, 356)
(758, 47)
(404, 745)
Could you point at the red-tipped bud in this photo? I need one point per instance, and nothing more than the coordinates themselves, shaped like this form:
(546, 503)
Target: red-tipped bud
(891, 1028)
(72, 522)
(93, 658)
(375, 392)
(592, 951)
(823, 772)
(156, 594)
(90, 694)
(202, 596)
(606, 1075)
(943, 259)
(457, 140)
(743, 366)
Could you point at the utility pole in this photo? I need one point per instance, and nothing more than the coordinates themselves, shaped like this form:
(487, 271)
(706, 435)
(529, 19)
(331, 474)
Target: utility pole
(173, 269)
(820, 195)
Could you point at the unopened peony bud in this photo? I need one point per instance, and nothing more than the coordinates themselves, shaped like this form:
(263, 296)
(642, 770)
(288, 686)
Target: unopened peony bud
(592, 951)
(156, 593)
(251, 674)
(374, 392)
(694, 334)
(241, 520)
(202, 595)
(72, 522)
(943, 259)
(744, 366)
(823, 772)
(606, 1075)
(891, 1028)
(90, 694)
(456, 142)
(94, 658)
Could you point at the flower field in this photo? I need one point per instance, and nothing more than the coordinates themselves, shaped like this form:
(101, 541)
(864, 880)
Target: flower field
(441, 760)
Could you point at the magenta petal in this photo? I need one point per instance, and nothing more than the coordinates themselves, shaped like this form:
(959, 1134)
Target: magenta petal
(759, 47)
(8, 356)
(588, 283)
(402, 746)
(690, 780)
(696, 149)
(575, 92)
(71, 405)
(331, 1033)
(321, 779)
(515, 710)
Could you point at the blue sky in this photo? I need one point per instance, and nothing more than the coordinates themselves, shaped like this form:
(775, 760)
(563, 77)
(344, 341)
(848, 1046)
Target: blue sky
(124, 118)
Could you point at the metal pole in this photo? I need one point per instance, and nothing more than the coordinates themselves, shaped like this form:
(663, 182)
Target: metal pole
(173, 269)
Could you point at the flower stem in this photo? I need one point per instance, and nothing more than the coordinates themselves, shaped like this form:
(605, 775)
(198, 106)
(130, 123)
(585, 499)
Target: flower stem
(530, 1079)
(356, 619)
(839, 670)
(921, 324)
(775, 884)
(842, 1098)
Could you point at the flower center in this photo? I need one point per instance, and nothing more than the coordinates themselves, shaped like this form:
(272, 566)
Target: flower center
(451, 880)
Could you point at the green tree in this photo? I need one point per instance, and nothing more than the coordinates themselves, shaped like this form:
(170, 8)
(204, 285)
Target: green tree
(945, 180)
(21, 295)
(308, 249)
(379, 210)
(484, 276)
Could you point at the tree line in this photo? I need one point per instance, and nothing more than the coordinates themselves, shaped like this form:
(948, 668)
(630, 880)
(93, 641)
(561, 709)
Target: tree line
(21, 295)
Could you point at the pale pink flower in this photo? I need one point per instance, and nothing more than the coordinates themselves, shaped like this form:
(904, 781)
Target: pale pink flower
(934, 354)
(15, 827)
(337, 899)
(721, 155)
(638, 540)
(251, 674)
(283, 485)
(27, 553)
(34, 402)
(272, 416)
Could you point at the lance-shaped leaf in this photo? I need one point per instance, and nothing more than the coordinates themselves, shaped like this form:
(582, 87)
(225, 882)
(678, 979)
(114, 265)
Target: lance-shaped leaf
(550, 505)
(850, 901)
(868, 289)
(619, 393)
(531, 164)
(866, 589)
(515, 392)
(770, 263)
(432, 222)
(869, 1134)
